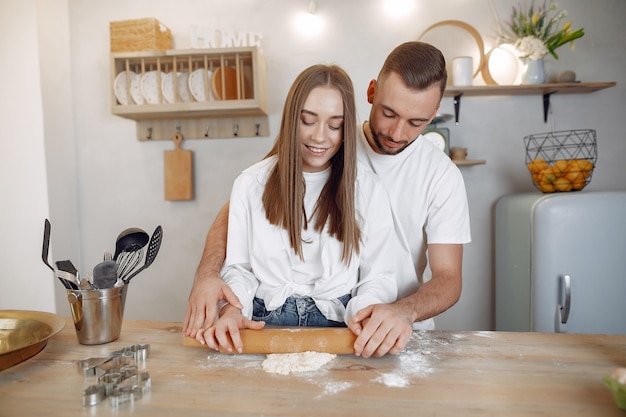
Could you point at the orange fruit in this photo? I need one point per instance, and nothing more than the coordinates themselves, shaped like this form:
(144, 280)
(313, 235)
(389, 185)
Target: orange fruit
(560, 167)
(562, 184)
(574, 176)
(547, 175)
(537, 165)
(579, 183)
(546, 187)
(536, 177)
(581, 165)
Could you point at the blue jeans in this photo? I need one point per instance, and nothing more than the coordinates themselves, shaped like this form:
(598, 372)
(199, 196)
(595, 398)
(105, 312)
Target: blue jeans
(297, 311)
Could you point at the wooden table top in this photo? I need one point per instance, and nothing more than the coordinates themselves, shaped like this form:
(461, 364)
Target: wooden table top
(439, 373)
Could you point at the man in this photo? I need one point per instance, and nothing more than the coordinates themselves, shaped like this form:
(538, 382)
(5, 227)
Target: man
(427, 196)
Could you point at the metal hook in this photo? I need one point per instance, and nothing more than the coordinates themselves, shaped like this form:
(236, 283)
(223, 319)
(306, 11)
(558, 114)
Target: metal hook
(236, 129)
(206, 131)
(257, 126)
(149, 133)
(178, 129)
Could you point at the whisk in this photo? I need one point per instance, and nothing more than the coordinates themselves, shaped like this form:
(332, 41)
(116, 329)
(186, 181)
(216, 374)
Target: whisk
(128, 261)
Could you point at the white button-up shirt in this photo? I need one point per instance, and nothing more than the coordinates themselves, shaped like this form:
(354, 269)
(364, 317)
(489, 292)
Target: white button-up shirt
(260, 261)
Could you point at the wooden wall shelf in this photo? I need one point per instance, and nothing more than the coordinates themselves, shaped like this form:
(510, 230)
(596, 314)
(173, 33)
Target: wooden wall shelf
(199, 93)
(469, 162)
(545, 90)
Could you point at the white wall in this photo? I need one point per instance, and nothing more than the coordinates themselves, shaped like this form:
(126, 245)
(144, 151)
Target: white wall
(120, 180)
(25, 281)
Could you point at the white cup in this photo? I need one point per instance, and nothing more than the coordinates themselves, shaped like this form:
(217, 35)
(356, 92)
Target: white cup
(462, 71)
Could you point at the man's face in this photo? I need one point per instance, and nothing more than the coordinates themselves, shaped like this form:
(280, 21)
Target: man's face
(399, 114)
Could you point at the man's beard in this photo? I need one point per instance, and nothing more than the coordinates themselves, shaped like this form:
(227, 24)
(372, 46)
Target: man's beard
(381, 148)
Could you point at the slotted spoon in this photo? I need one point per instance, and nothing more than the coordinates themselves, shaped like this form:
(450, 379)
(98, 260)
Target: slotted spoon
(151, 252)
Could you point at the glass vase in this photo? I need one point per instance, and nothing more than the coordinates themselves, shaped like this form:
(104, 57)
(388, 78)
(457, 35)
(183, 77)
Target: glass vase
(534, 71)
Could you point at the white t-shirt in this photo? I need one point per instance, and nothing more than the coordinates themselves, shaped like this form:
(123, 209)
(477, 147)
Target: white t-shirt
(260, 261)
(428, 199)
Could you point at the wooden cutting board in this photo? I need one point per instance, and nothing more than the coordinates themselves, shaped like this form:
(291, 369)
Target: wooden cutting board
(178, 166)
(224, 84)
(338, 340)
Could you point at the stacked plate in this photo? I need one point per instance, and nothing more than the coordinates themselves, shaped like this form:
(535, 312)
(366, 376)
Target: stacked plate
(198, 86)
(133, 88)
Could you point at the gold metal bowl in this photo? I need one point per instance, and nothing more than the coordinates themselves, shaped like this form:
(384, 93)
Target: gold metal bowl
(25, 333)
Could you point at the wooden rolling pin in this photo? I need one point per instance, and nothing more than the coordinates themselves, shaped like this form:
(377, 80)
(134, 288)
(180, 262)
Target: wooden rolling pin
(336, 340)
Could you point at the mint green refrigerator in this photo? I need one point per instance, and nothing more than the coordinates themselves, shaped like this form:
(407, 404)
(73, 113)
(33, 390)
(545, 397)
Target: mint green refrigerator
(561, 262)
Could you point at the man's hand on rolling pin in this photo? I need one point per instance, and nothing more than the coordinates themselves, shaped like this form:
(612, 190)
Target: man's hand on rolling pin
(380, 329)
(202, 307)
(226, 329)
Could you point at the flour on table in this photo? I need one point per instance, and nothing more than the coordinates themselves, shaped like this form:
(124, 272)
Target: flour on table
(286, 363)
(393, 380)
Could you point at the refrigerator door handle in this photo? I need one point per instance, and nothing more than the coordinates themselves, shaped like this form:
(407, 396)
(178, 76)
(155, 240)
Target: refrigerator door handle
(565, 291)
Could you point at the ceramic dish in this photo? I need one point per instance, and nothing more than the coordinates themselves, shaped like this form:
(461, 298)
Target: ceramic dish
(135, 90)
(120, 86)
(25, 333)
(182, 88)
(197, 85)
(436, 139)
(151, 86)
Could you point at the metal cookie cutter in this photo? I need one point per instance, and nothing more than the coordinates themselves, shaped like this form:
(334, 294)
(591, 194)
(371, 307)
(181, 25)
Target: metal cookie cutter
(109, 380)
(121, 396)
(139, 352)
(87, 367)
(94, 394)
(117, 376)
(131, 389)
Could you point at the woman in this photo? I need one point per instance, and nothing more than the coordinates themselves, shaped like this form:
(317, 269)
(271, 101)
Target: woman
(310, 242)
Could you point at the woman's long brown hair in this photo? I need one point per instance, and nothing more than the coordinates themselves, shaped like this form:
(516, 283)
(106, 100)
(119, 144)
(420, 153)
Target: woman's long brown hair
(283, 197)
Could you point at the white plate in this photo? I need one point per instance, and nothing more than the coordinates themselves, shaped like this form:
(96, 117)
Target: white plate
(436, 139)
(151, 86)
(120, 86)
(135, 89)
(167, 87)
(196, 85)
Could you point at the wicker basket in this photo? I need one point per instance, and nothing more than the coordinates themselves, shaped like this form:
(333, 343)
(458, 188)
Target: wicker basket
(561, 161)
(140, 35)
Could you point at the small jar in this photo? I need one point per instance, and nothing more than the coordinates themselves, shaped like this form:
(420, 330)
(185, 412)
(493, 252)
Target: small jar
(458, 154)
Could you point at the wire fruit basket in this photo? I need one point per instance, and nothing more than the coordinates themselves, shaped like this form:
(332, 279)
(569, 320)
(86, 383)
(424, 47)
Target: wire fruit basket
(561, 161)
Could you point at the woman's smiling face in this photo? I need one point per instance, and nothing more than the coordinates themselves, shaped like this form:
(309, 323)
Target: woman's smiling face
(320, 129)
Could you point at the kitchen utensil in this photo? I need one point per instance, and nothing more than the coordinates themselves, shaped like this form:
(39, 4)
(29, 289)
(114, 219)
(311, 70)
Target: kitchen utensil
(225, 84)
(107, 256)
(130, 239)
(85, 281)
(292, 340)
(105, 274)
(46, 243)
(127, 262)
(68, 280)
(97, 314)
(151, 253)
(67, 266)
(178, 166)
(68, 284)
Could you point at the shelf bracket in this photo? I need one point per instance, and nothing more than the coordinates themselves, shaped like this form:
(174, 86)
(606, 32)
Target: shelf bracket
(457, 107)
(546, 105)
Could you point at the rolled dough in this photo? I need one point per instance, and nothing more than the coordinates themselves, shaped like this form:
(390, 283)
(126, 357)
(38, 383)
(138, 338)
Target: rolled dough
(286, 363)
